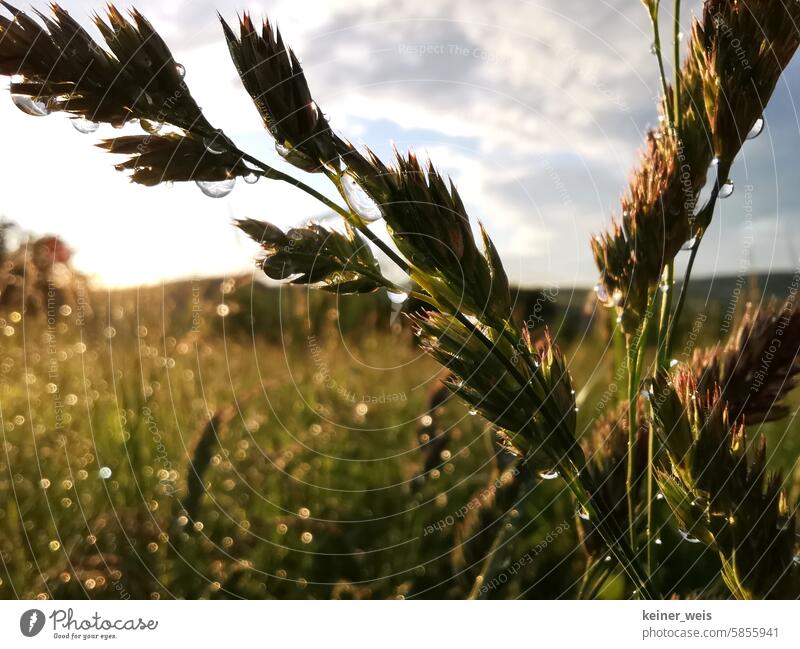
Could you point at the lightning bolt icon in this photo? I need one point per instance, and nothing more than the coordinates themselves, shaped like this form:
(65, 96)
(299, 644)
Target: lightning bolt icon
(32, 621)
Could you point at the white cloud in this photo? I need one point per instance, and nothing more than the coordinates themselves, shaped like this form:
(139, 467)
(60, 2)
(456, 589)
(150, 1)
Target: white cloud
(536, 109)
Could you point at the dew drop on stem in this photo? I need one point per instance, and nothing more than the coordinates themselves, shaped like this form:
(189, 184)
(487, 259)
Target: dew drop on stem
(214, 145)
(181, 70)
(397, 297)
(726, 189)
(755, 131)
(85, 126)
(30, 106)
(548, 475)
(218, 188)
(251, 178)
(688, 537)
(358, 200)
(602, 294)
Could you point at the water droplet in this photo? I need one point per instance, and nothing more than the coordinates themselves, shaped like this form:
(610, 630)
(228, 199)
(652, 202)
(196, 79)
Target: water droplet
(726, 189)
(397, 297)
(358, 200)
(217, 188)
(282, 150)
(582, 513)
(473, 412)
(673, 363)
(715, 161)
(215, 145)
(657, 541)
(306, 537)
(55, 546)
(85, 126)
(181, 70)
(251, 178)
(30, 106)
(653, 49)
(548, 475)
(664, 287)
(602, 294)
(680, 36)
(104, 473)
(758, 126)
(700, 502)
(659, 496)
(688, 537)
(223, 310)
(690, 244)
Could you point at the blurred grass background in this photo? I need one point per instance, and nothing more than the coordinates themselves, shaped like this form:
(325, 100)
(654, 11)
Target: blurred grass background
(220, 438)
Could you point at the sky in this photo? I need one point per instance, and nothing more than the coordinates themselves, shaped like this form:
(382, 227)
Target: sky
(536, 109)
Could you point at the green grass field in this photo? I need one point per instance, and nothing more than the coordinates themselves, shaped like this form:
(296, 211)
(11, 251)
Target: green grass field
(158, 444)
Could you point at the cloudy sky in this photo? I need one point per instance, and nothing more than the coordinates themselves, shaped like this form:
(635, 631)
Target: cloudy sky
(536, 109)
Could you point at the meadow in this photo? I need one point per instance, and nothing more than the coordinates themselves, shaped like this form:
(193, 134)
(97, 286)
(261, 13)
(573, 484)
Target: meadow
(214, 439)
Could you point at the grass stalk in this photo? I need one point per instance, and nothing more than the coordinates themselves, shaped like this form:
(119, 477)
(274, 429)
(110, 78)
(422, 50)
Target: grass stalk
(635, 351)
(654, 9)
(704, 217)
(676, 59)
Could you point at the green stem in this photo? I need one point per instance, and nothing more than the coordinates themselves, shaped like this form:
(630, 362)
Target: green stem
(676, 56)
(599, 583)
(636, 350)
(664, 317)
(649, 533)
(581, 485)
(704, 217)
(489, 560)
(660, 59)
(274, 174)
